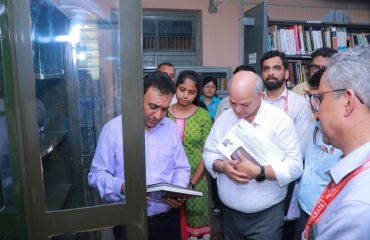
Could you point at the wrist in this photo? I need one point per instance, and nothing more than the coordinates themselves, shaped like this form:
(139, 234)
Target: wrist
(261, 176)
(217, 166)
(191, 185)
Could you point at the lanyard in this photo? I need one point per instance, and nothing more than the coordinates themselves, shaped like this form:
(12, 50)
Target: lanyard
(322, 147)
(329, 193)
(285, 100)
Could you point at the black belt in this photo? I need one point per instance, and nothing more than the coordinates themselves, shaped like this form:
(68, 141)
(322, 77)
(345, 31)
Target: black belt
(162, 216)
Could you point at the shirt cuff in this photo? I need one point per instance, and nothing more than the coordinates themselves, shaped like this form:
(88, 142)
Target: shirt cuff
(117, 184)
(281, 173)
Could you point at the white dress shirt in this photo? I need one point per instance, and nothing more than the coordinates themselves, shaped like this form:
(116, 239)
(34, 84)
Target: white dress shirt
(298, 110)
(256, 196)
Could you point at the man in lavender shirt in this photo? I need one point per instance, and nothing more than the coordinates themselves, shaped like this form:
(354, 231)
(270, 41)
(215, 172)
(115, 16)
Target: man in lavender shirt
(164, 157)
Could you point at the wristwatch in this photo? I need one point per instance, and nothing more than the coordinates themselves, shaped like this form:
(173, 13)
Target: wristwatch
(261, 177)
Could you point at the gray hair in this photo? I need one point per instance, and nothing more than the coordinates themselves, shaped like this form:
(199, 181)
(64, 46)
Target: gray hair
(351, 70)
(259, 85)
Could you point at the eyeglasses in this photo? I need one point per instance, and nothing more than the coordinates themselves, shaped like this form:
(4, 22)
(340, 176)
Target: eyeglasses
(315, 67)
(316, 99)
(210, 86)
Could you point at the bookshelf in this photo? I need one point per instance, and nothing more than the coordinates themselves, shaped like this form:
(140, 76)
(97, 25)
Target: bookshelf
(222, 74)
(298, 39)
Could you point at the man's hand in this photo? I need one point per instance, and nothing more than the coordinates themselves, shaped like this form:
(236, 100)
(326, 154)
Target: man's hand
(246, 166)
(174, 202)
(228, 167)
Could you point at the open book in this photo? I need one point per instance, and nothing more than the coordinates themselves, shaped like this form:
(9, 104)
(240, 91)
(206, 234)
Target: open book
(162, 190)
(252, 144)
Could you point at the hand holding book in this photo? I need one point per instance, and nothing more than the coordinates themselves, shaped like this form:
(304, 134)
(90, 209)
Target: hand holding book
(247, 164)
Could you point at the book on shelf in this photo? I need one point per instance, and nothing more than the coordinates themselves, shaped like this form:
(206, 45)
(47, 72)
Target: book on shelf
(159, 191)
(303, 40)
(256, 147)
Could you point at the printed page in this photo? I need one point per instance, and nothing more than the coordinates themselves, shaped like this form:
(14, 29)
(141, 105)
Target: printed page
(258, 147)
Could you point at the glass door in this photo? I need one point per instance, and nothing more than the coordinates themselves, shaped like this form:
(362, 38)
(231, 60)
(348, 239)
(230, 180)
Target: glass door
(73, 75)
(12, 218)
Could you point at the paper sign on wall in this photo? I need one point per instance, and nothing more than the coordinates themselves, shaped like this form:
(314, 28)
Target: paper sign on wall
(252, 58)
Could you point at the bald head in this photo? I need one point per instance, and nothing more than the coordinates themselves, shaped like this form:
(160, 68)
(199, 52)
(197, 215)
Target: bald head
(245, 94)
(245, 82)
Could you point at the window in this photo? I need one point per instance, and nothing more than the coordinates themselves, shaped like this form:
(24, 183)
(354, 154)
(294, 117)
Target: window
(170, 31)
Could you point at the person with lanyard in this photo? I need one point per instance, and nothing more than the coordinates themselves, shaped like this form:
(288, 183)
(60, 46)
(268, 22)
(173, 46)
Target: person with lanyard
(194, 124)
(275, 72)
(165, 160)
(343, 105)
(253, 195)
(209, 95)
(319, 158)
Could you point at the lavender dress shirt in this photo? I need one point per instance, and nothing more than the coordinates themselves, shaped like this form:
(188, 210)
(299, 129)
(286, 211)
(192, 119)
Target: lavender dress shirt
(165, 161)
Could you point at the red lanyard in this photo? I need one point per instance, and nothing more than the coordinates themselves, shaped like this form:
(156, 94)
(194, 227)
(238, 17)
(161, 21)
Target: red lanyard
(322, 147)
(329, 193)
(285, 100)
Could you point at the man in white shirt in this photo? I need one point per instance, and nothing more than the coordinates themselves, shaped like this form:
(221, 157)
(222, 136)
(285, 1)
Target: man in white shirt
(275, 72)
(253, 209)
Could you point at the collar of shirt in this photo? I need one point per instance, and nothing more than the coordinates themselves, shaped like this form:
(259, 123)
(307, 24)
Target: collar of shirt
(282, 96)
(350, 162)
(261, 118)
(319, 139)
(160, 124)
(214, 99)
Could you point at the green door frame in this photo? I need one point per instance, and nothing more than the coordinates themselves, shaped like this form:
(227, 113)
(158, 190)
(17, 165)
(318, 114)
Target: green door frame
(12, 221)
(40, 224)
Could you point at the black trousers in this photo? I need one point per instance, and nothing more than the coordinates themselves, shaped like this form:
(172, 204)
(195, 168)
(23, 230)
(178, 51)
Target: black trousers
(214, 190)
(165, 226)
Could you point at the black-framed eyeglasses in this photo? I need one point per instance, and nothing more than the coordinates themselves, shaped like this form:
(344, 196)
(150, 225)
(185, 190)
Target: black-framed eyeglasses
(316, 99)
(315, 67)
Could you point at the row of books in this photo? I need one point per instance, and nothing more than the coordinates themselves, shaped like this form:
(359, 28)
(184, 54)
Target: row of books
(303, 40)
(298, 72)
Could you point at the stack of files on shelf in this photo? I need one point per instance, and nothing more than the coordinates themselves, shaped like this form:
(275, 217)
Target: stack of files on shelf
(358, 39)
(221, 84)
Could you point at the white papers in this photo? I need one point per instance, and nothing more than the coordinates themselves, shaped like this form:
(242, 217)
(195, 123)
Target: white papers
(255, 143)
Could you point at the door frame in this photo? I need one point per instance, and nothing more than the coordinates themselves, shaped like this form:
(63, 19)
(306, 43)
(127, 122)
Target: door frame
(41, 223)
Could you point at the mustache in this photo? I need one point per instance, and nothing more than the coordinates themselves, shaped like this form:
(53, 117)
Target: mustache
(272, 78)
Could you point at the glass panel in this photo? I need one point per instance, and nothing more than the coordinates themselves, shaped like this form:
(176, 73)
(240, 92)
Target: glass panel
(7, 197)
(77, 75)
(100, 234)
